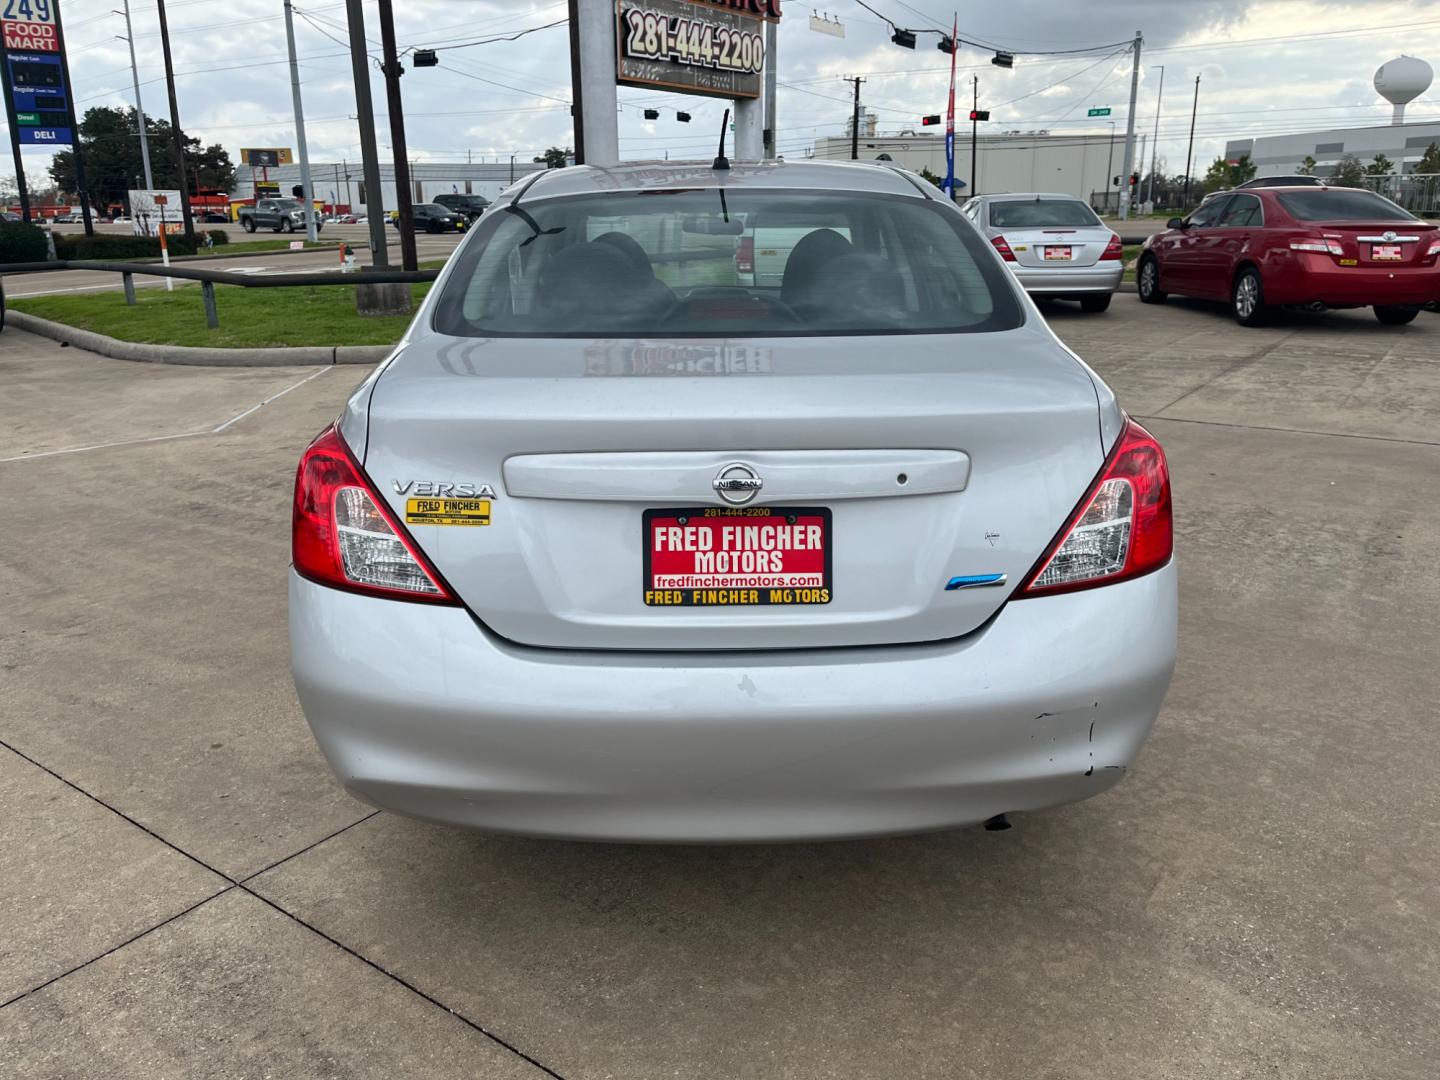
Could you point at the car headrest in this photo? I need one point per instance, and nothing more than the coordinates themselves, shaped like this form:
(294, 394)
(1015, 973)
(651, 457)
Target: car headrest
(812, 252)
(630, 248)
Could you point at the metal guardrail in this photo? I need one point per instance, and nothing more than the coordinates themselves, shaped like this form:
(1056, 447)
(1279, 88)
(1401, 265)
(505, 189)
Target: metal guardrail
(210, 278)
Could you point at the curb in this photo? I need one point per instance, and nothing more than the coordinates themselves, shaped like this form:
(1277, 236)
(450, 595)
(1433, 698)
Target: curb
(305, 356)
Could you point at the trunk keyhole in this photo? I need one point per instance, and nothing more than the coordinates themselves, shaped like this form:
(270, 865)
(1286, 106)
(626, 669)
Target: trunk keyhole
(902, 479)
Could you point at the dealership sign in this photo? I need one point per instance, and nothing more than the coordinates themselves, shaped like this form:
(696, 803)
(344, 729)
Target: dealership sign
(36, 94)
(712, 47)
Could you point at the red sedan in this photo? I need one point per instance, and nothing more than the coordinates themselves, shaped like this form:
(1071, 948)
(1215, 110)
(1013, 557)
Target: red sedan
(1313, 247)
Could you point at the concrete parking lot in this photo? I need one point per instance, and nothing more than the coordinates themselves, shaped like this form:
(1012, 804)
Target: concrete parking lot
(185, 891)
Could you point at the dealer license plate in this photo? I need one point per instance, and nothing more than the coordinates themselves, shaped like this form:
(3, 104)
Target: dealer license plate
(1057, 254)
(1386, 252)
(735, 556)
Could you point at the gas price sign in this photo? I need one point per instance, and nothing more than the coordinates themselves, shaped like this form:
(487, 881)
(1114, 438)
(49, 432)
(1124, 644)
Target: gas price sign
(34, 70)
(698, 46)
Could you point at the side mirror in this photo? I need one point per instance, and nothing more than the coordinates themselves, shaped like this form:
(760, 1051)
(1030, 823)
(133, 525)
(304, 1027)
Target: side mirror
(1175, 223)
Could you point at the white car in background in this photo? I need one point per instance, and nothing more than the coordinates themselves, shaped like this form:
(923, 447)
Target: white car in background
(1054, 244)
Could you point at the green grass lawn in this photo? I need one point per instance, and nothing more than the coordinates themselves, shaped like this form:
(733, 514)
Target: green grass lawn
(249, 318)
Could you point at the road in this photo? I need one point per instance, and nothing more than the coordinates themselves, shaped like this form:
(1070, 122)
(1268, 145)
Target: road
(71, 281)
(186, 891)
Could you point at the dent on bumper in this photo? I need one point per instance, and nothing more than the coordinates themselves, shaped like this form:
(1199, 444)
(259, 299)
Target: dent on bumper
(419, 710)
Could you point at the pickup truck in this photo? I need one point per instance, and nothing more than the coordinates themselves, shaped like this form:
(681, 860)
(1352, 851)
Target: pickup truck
(278, 215)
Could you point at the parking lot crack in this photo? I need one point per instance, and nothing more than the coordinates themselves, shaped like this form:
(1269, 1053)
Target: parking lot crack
(480, 1028)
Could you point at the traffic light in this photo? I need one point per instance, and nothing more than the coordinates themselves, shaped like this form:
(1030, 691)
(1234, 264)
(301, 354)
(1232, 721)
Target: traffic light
(298, 191)
(904, 38)
(1003, 59)
(1134, 178)
(979, 114)
(652, 114)
(928, 120)
(425, 58)
(946, 44)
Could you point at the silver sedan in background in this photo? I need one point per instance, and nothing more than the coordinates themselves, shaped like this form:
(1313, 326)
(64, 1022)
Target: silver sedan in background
(620, 544)
(1054, 244)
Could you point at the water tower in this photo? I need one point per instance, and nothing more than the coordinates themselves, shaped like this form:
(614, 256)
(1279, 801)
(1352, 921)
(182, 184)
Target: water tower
(1401, 81)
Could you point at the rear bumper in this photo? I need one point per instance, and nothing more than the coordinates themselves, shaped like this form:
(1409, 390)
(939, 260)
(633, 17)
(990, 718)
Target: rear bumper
(1316, 278)
(421, 711)
(1057, 280)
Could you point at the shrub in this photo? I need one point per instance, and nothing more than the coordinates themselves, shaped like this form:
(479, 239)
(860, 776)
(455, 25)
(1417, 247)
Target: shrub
(22, 243)
(218, 236)
(110, 248)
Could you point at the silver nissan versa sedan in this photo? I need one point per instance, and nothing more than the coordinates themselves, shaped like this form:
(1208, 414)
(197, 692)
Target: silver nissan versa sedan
(618, 547)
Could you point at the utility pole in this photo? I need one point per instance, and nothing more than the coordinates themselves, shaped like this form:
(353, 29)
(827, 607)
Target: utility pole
(365, 114)
(393, 71)
(577, 97)
(974, 131)
(175, 135)
(307, 189)
(1109, 166)
(139, 108)
(1129, 164)
(772, 137)
(855, 119)
(1185, 200)
(1155, 142)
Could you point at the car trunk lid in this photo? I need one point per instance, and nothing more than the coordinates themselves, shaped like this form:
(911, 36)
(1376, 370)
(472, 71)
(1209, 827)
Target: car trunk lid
(890, 468)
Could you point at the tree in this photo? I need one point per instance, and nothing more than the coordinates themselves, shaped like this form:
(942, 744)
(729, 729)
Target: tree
(1222, 174)
(554, 158)
(1430, 162)
(1306, 167)
(1349, 173)
(113, 165)
(1381, 166)
(934, 178)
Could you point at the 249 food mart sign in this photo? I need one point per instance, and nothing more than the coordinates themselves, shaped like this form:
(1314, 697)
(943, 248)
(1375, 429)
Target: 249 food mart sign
(36, 95)
(713, 47)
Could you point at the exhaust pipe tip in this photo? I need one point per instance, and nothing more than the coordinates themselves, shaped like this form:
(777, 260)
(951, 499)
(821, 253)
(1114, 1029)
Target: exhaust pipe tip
(998, 823)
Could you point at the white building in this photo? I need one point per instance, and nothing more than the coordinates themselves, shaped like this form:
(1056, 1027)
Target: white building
(1077, 165)
(1282, 155)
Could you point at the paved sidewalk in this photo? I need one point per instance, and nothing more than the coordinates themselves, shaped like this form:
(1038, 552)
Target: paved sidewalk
(186, 892)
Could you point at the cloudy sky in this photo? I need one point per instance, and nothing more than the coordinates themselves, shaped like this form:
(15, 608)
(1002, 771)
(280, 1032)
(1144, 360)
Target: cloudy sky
(1266, 66)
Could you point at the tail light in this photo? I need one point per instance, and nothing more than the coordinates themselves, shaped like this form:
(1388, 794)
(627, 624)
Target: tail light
(342, 535)
(1003, 248)
(1323, 247)
(745, 255)
(1434, 248)
(1121, 528)
(1114, 249)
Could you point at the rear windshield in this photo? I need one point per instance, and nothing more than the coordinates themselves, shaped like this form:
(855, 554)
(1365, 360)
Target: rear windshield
(1340, 204)
(737, 264)
(1040, 214)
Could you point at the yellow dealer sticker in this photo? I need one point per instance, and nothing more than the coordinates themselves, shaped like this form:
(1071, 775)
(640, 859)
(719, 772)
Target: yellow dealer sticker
(447, 511)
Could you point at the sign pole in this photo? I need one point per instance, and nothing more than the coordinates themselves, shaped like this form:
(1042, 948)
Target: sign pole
(74, 128)
(176, 136)
(160, 201)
